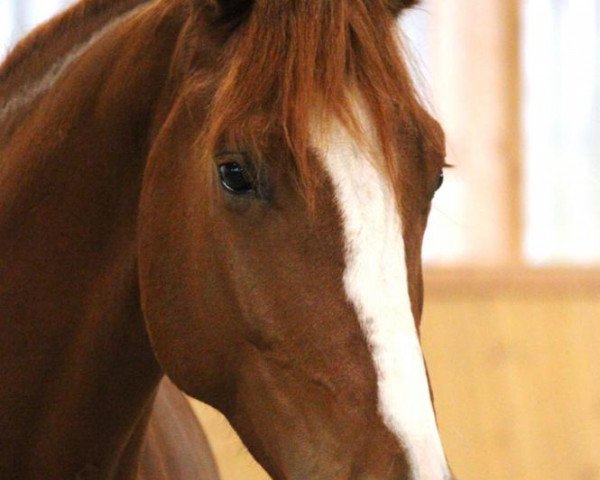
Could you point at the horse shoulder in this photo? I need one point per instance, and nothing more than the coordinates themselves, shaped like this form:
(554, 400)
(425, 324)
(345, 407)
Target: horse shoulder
(175, 446)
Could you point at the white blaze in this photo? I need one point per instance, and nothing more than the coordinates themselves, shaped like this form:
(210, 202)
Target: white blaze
(376, 283)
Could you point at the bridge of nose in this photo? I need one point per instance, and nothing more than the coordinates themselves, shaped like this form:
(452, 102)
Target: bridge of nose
(376, 283)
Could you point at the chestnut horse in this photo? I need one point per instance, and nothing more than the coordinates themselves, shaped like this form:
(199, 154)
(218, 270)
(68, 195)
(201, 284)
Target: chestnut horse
(232, 193)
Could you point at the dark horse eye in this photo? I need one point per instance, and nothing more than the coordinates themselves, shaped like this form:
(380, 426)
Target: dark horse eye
(440, 181)
(235, 179)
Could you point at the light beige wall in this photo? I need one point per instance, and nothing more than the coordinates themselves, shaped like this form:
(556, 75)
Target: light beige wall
(515, 366)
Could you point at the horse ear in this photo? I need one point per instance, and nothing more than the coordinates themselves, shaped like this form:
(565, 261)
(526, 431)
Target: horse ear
(230, 12)
(397, 6)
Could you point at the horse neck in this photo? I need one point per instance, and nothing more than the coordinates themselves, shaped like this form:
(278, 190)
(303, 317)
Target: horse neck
(78, 374)
(37, 56)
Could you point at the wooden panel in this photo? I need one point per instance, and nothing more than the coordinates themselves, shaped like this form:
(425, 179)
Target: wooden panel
(515, 368)
(517, 382)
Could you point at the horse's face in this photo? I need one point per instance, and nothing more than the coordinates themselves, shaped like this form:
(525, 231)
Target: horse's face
(298, 323)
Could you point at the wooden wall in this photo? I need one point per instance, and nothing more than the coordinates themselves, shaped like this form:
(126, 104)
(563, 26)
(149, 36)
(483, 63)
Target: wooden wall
(515, 364)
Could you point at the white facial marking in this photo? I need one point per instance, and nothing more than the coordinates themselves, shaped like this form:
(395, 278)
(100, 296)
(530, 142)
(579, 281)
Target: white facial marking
(30, 92)
(376, 283)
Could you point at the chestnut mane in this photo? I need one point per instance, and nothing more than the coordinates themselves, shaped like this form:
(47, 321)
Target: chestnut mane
(287, 57)
(32, 47)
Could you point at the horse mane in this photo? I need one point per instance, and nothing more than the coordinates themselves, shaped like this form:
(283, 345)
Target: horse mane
(301, 62)
(67, 21)
(296, 64)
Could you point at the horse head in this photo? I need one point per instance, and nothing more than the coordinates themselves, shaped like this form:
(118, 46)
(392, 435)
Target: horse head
(283, 209)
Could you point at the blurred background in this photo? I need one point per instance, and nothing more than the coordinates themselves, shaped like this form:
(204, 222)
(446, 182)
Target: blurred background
(512, 320)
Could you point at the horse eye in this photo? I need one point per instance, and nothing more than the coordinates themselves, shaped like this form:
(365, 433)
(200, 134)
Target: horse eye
(235, 179)
(440, 181)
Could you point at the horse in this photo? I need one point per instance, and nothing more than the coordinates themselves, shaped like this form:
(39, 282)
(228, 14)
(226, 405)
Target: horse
(223, 198)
